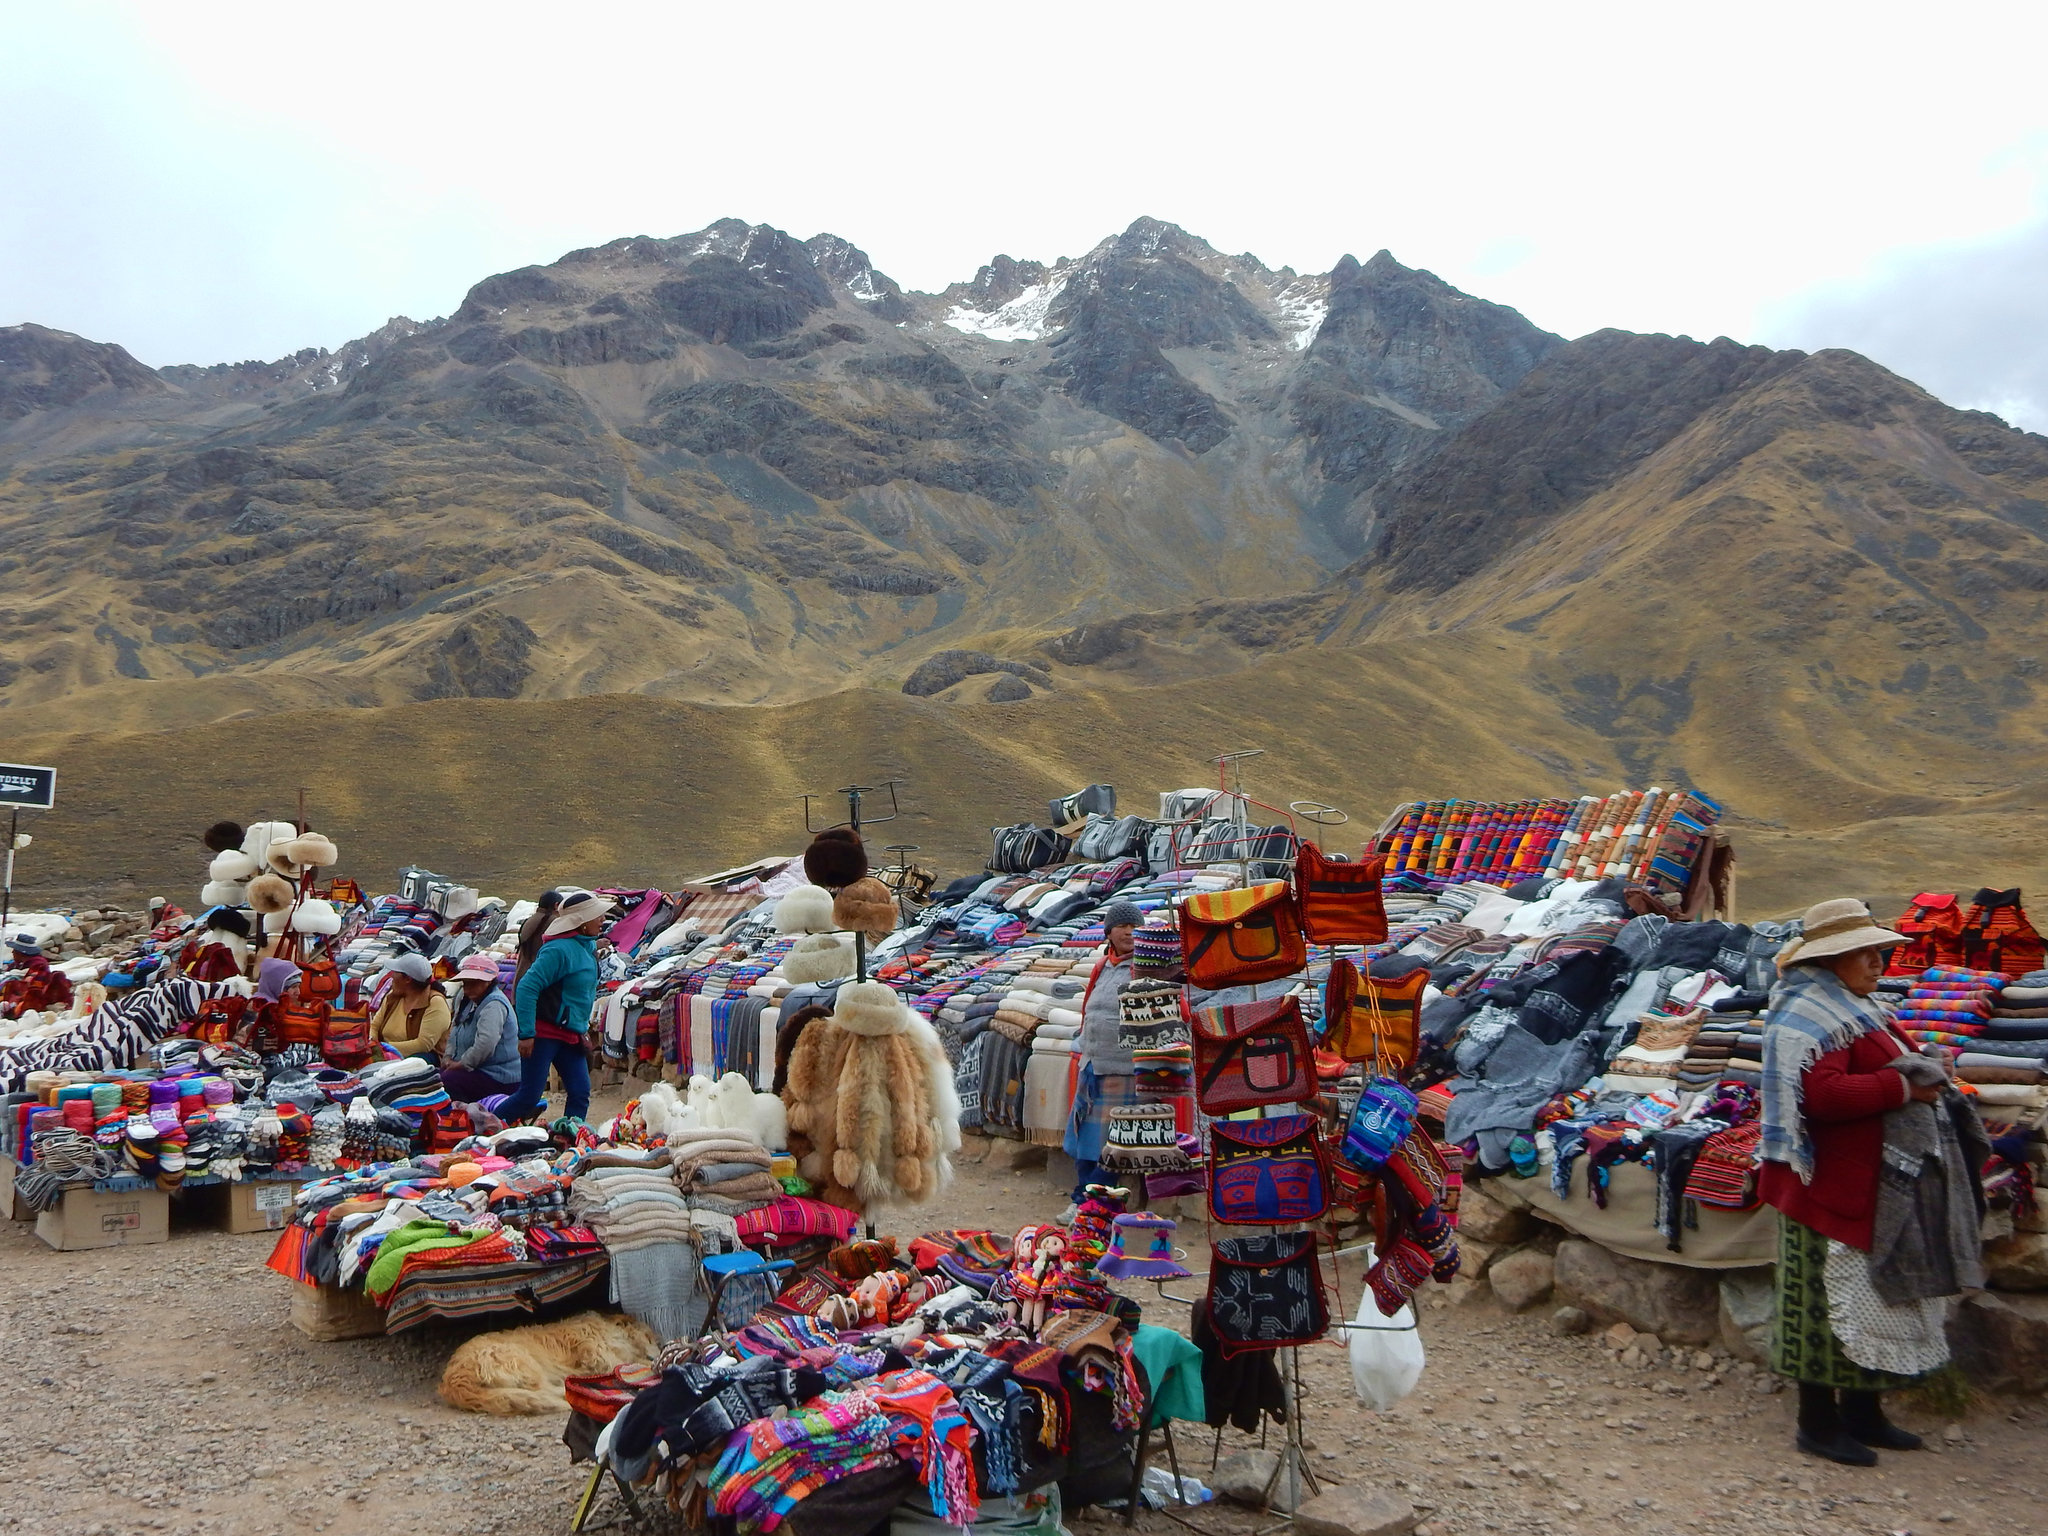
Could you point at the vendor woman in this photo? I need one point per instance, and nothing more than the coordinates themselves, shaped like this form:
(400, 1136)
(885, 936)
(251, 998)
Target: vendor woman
(413, 1019)
(1866, 1254)
(1108, 1075)
(483, 1044)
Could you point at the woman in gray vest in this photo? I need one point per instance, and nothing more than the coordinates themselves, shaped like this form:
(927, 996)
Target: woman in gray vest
(1108, 1075)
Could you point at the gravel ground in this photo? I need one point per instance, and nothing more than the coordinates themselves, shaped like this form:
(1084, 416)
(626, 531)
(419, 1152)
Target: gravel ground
(163, 1389)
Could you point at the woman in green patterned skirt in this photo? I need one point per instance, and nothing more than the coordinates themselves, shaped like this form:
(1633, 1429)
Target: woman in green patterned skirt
(1870, 1157)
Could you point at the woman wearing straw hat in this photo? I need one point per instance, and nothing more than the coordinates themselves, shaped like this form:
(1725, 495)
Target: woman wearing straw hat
(1871, 1159)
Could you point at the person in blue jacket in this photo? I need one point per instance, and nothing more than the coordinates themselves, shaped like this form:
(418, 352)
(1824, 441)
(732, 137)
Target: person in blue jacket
(553, 1004)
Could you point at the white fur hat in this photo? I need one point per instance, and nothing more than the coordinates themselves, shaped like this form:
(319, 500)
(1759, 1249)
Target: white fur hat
(818, 957)
(259, 835)
(870, 1008)
(223, 893)
(807, 909)
(233, 865)
(276, 922)
(315, 916)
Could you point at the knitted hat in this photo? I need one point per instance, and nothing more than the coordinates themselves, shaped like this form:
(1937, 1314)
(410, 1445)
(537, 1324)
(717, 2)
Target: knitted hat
(1155, 953)
(1141, 1248)
(1121, 914)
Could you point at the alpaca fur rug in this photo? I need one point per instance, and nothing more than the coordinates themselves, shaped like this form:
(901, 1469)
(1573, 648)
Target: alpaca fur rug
(521, 1370)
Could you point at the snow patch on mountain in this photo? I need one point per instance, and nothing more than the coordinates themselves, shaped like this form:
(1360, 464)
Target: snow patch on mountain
(1302, 307)
(1024, 318)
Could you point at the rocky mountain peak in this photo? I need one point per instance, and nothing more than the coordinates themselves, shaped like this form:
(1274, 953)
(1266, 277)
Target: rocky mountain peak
(44, 370)
(846, 264)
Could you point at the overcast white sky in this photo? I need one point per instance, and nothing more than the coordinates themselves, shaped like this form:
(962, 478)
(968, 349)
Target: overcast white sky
(208, 182)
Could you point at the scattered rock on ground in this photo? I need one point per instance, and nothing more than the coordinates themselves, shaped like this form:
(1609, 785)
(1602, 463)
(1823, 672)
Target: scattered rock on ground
(2019, 1262)
(2001, 1341)
(1747, 1305)
(1487, 1220)
(1521, 1279)
(1356, 1511)
(1242, 1479)
(1568, 1322)
(1678, 1304)
(1007, 1152)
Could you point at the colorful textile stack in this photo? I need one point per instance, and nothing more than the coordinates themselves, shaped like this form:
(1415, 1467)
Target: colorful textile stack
(1648, 837)
(1949, 1006)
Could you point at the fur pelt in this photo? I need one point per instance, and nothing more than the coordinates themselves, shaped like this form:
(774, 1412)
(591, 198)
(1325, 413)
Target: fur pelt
(866, 906)
(818, 957)
(271, 893)
(860, 1090)
(222, 836)
(835, 858)
(787, 1033)
(810, 1095)
(521, 1370)
(807, 909)
(229, 921)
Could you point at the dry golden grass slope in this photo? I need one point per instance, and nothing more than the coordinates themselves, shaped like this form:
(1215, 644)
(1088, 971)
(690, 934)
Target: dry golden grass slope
(618, 789)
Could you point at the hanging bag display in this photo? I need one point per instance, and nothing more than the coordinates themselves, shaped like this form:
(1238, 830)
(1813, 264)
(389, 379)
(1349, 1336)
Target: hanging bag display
(1340, 902)
(1267, 1172)
(1382, 1020)
(1252, 1054)
(1266, 1292)
(319, 980)
(302, 1023)
(345, 1037)
(1380, 1122)
(218, 1019)
(1235, 938)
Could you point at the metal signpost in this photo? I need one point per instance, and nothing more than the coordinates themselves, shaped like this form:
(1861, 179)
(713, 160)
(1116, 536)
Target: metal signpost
(23, 786)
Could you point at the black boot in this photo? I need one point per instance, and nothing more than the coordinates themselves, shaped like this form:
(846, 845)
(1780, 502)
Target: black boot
(1821, 1433)
(1863, 1417)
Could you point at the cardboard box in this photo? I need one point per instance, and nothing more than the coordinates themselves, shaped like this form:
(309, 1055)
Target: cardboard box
(93, 1218)
(260, 1205)
(12, 1206)
(328, 1312)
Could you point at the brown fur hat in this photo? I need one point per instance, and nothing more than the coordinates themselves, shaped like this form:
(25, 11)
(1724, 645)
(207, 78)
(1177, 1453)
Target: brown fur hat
(271, 893)
(222, 836)
(865, 906)
(835, 858)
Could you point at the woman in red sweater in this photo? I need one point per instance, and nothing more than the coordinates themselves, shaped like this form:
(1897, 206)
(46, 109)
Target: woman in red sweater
(1835, 1075)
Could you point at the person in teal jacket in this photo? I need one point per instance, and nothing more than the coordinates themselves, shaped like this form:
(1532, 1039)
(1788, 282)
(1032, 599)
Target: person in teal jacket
(553, 1004)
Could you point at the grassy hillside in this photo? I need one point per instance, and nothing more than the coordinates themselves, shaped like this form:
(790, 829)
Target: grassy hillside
(621, 789)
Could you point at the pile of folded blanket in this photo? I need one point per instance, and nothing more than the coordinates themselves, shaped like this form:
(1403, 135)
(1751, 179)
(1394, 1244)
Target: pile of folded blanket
(722, 1162)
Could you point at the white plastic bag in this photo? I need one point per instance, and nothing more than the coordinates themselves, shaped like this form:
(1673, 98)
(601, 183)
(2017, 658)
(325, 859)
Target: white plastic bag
(1386, 1354)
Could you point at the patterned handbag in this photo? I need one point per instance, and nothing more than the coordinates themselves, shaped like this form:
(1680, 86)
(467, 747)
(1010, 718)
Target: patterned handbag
(218, 1019)
(345, 1037)
(1380, 1122)
(1340, 903)
(1266, 1292)
(1234, 938)
(1382, 1020)
(319, 980)
(302, 1023)
(1267, 1172)
(1252, 1054)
